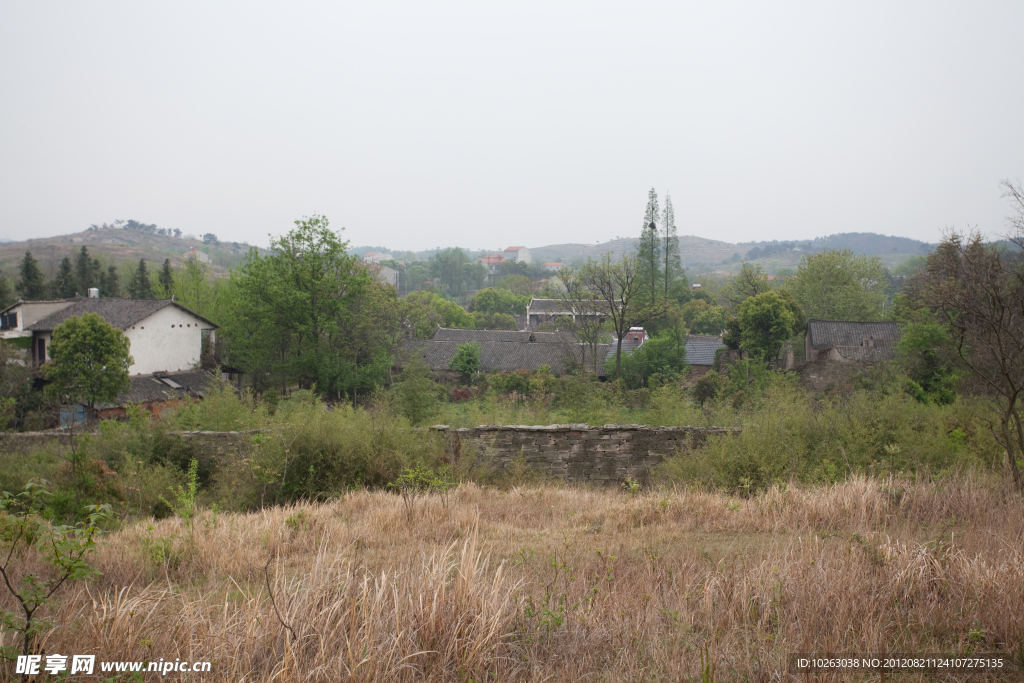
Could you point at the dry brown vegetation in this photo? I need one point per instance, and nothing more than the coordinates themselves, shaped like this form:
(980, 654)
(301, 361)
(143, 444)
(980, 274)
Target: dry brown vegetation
(563, 584)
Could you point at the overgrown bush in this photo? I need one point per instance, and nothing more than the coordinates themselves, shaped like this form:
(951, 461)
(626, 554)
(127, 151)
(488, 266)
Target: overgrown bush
(790, 436)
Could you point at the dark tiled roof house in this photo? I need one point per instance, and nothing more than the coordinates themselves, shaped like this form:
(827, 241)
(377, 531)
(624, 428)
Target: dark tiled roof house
(847, 342)
(502, 350)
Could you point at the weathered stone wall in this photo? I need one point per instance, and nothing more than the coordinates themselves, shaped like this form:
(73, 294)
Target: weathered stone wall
(573, 452)
(582, 453)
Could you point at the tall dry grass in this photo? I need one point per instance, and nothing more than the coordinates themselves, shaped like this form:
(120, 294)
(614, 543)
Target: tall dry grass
(563, 584)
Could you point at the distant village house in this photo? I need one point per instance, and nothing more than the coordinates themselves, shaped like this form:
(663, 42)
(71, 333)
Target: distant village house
(167, 342)
(848, 342)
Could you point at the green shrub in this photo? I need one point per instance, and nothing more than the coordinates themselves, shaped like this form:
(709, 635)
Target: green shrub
(790, 436)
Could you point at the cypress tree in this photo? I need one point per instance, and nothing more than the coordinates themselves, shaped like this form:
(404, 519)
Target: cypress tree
(65, 285)
(86, 270)
(649, 250)
(110, 284)
(32, 285)
(672, 272)
(140, 287)
(6, 293)
(167, 279)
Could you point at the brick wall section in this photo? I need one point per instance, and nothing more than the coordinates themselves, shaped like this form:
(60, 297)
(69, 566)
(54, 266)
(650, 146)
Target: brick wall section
(583, 453)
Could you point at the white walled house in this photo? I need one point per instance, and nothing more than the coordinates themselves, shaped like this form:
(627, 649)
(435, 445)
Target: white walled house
(164, 336)
(517, 255)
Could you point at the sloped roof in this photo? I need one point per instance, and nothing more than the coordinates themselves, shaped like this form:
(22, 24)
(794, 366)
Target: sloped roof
(146, 388)
(628, 347)
(500, 355)
(464, 336)
(825, 334)
(121, 313)
(700, 349)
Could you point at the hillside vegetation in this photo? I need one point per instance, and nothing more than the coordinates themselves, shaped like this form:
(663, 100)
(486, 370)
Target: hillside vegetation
(114, 245)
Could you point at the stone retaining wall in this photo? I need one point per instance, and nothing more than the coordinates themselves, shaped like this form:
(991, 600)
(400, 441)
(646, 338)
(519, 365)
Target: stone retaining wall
(573, 452)
(582, 453)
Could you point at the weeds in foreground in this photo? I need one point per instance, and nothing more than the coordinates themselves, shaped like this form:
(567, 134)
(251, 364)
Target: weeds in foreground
(24, 531)
(566, 584)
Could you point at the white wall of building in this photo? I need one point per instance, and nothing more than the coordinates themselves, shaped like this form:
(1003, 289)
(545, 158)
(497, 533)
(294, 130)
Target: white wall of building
(167, 341)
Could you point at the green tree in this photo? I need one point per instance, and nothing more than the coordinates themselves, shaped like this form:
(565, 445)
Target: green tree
(31, 284)
(616, 285)
(166, 279)
(474, 275)
(977, 290)
(649, 251)
(703, 318)
(289, 314)
(663, 355)
(110, 283)
(926, 352)
(492, 300)
(766, 322)
(466, 359)
(423, 312)
(448, 265)
(192, 288)
(90, 361)
(750, 281)
(494, 321)
(140, 286)
(65, 285)
(840, 285)
(6, 293)
(87, 270)
(24, 529)
(520, 285)
(672, 270)
(416, 391)
(587, 323)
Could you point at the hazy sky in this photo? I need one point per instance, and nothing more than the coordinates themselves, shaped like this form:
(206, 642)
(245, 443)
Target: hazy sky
(421, 124)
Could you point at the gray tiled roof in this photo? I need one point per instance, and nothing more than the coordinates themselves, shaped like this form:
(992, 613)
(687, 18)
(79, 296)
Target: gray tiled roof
(151, 388)
(828, 333)
(121, 313)
(628, 347)
(463, 336)
(500, 355)
(700, 350)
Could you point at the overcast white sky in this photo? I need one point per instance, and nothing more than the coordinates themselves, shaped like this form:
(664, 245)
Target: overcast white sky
(421, 124)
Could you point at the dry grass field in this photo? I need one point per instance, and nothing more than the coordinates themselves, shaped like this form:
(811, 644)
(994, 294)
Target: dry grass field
(563, 584)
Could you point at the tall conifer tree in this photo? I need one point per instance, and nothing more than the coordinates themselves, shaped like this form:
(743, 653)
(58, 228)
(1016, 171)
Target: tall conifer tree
(672, 271)
(86, 271)
(167, 279)
(140, 287)
(649, 250)
(31, 284)
(65, 285)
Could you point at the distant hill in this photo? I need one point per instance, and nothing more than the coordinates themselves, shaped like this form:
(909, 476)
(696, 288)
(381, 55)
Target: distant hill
(692, 250)
(113, 245)
(700, 255)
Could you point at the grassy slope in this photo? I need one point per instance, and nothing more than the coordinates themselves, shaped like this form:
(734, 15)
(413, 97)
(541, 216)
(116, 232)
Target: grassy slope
(562, 584)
